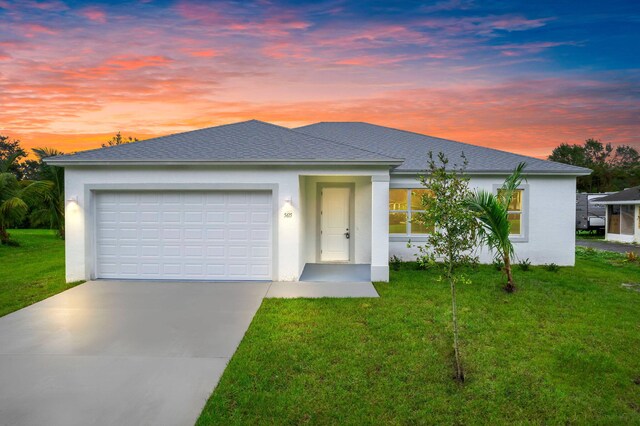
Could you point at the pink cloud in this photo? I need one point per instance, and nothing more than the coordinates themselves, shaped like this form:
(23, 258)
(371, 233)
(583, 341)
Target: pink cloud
(32, 29)
(94, 14)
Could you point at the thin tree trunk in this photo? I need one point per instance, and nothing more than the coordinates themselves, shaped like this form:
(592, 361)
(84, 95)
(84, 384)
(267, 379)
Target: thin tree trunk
(456, 349)
(510, 287)
(4, 235)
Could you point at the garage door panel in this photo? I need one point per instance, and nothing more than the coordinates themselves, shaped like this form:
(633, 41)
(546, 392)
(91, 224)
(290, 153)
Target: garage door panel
(215, 235)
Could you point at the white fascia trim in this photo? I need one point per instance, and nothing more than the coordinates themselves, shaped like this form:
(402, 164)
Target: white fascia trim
(496, 172)
(626, 203)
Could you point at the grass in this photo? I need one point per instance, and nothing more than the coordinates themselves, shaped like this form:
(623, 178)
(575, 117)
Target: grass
(587, 235)
(33, 271)
(562, 349)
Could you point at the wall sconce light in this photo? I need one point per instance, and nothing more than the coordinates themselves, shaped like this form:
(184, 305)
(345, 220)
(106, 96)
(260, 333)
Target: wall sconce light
(73, 199)
(288, 202)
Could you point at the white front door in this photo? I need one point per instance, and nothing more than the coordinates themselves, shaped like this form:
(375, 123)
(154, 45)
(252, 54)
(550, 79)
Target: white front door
(334, 225)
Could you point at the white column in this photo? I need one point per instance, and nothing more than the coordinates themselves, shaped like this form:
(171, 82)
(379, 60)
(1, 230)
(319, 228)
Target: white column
(380, 228)
(76, 255)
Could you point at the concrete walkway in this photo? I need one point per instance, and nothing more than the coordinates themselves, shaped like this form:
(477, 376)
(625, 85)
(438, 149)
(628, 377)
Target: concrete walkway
(609, 246)
(121, 353)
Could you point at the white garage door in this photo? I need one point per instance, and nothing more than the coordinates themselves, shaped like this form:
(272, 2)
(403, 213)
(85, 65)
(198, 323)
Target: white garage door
(213, 235)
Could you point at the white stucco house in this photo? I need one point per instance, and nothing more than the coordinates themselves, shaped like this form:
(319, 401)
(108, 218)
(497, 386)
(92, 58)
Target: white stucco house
(256, 201)
(623, 216)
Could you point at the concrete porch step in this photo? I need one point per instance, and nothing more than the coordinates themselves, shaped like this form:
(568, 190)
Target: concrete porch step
(292, 290)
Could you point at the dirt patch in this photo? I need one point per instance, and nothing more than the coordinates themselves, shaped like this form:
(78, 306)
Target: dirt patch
(632, 286)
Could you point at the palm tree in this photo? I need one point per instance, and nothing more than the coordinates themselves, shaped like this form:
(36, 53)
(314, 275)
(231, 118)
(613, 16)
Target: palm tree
(15, 197)
(493, 214)
(51, 210)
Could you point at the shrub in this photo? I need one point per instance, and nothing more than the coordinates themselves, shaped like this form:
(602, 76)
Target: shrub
(552, 267)
(631, 256)
(498, 264)
(524, 264)
(395, 262)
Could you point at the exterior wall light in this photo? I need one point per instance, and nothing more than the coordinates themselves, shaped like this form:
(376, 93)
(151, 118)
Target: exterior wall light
(72, 199)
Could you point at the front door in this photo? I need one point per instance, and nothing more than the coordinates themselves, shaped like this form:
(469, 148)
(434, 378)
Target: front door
(334, 225)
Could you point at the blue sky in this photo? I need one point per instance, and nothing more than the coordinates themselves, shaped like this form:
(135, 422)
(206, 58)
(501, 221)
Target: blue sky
(522, 76)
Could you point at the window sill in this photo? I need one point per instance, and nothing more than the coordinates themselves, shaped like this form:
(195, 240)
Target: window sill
(406, 238)
(519, 239)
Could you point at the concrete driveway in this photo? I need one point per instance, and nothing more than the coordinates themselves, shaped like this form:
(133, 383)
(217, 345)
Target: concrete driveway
(121, 353)
(609, 246)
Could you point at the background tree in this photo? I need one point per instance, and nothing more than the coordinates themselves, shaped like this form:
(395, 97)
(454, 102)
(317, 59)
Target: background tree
(493, 215)
(21, 167)
(613, 170)
(15, 197)
(453, 239)
(50, 208)
(119, 140)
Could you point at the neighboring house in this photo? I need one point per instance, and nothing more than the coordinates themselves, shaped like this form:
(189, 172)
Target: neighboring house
(256, 201)
(623, 215)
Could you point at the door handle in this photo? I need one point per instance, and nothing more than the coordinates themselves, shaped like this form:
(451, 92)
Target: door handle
(347, 235)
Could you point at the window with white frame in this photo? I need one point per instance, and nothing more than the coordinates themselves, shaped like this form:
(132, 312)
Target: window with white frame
(404, 205)
(620, 219)
(516, 213)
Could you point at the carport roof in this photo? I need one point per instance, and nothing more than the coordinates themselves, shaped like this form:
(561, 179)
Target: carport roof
(627, 196)
(246, 142)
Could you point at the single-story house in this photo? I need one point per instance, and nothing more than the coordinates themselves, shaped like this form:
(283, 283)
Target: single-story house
(623, 215)
(257, 201)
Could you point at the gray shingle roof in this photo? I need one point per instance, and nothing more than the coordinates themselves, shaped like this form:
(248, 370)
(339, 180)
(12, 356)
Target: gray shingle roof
(248, 141)
(629, 194)
(414, 147)
(350, 143)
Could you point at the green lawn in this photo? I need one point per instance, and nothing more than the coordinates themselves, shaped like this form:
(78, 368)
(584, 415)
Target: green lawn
(31, 272)
(564, 349)
(586, 235)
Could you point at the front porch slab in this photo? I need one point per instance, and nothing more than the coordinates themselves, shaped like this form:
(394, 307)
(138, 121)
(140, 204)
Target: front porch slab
(336, 272)
(292, 290)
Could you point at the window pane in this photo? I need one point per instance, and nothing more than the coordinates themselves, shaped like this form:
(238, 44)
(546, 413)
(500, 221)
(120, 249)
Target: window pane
(398, 199)
(515, 220)
(516, 200)
(416, 198)
(418, 227)
(613, 227)
(626, 220)
(397, 223)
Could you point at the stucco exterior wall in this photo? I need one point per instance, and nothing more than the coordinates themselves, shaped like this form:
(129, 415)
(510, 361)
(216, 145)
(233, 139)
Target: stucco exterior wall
(549, 216)
(290, 233)
(549, 210)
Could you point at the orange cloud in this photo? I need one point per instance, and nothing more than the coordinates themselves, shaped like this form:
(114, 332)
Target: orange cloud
(519, 116)
(208, 53)
(135, 62)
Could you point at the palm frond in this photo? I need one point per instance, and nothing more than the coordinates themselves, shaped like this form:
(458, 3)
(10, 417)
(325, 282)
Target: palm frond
(45, 152)
(511, 184)
(493, 218)
(6, 164)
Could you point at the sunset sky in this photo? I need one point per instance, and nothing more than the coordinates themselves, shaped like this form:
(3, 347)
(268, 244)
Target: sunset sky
(523, 76)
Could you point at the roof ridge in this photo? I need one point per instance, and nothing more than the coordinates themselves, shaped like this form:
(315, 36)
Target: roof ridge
(444, 139)
(341, 143)
(324, 139)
